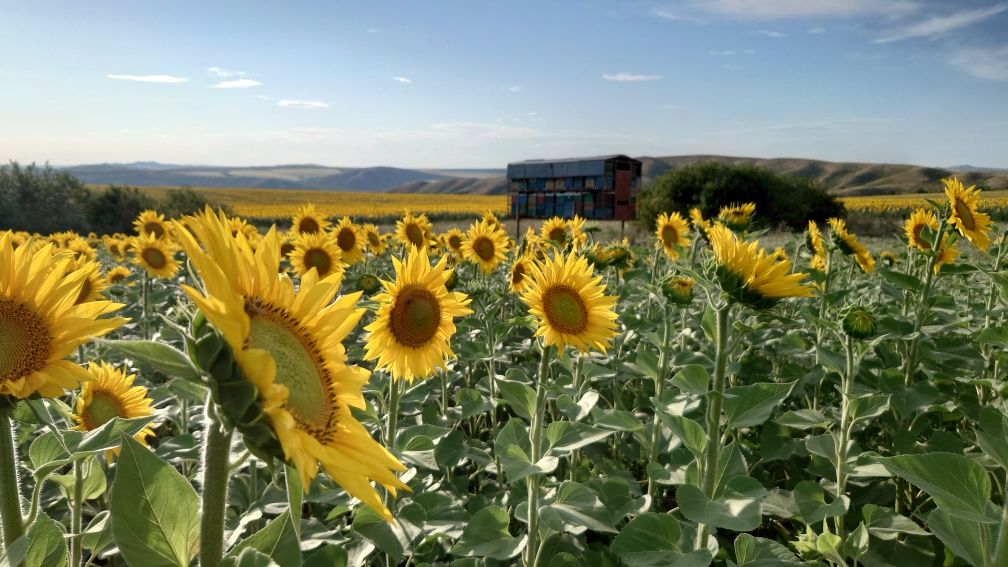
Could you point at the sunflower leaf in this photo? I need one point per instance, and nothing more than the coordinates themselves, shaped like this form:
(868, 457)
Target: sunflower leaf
(160, 356)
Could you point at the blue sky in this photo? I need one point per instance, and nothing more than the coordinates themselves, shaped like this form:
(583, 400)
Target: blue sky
(480, 83)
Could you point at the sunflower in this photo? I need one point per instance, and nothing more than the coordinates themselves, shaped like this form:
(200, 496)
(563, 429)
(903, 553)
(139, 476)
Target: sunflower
(554, 230)
(919, 219)
(82, 248)
(948, 254)
(375, 242)
(317, 251)
(751, 276)
(578, 236)
(94, 282)
(118, 275)
(453, 239)
(286, 245)
(349, 240)
(490, 218)
(484, 246)
(109, 394)
(850, 245)
(40, 325)
(963, 213)
(519, 277)
(155, 255)
(814, 240)
(116, 247)
(241, 226)
(414, 231)
(288, 345)
(569, 301)
(888, 258)
(678, 290)
(307, 220)
(620, 256)
(737, 217)
(671, 232)
(699, 224)
(413, 327)
(153, 223)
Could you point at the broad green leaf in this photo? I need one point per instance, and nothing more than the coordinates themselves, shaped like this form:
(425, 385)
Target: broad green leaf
(165, 358)
(829, 545)
(992, 435)
(746, 406)
(277, 540)
(472, 403)
(901, 280)
(566, 436)
(958, 486)
(812, 505)
(98, 533)
(964, 537)
(512, 446)
(693, 378)
(737, 509)
(831, 360)
(856, 543)
(250, 557)
(388, 537)
(886, 524)
(295, 496)
(867, 407)
(753, 551)
(803, 419)
(154, 510)
(487, 535)
(647, 362)
(653, 540)
(575, 508)
(519, 396)
(42, 546)
(94, 482)
(691, 432)
(419, 451)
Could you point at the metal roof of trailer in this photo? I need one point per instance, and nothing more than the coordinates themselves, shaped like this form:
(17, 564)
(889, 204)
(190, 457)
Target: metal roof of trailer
(570, 167)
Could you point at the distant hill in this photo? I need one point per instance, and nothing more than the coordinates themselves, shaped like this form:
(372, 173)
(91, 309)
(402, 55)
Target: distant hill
(842, 178)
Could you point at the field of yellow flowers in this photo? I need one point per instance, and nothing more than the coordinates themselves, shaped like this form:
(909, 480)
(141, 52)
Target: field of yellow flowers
(205, 391)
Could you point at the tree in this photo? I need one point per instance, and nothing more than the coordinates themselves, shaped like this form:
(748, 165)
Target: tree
(113, 209)
(42, 199)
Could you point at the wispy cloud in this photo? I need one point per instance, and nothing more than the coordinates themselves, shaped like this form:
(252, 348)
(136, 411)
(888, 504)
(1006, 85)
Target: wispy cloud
(515, 89)
(303, 104)
(781, 9)
(262, 97)
(771, 33)
(676, 16)
(940, 25)
(402, 80)
(237, 84)
(373, 30)
(630, 77)
(983, 63)
(149, 78)
(221, 72)
(725, 53)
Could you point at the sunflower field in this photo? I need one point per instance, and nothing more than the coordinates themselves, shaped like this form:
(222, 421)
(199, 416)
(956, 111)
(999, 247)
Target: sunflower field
(206, 392)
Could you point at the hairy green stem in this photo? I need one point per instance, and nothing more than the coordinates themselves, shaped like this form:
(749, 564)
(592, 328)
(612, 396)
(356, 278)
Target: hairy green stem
(535, 441)
(659, 386)
(922, 309)
(1001, 549)
(76, 521)
(715, 398)
(10, 493)
(392, 424)
(216, 453)
(577, 377)
(847, 393)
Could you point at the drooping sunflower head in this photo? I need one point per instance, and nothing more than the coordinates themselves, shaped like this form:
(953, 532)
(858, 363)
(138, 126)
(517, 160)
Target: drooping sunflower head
(859, 323)
(373, 237)
(307, 220)
(287, 345)
(737, 217)
(40, 323)
(317, 252)
(570, 304)
(368, 283)
(619, 255)
(555, 231)
(814, 240)
(678, 290)
(964, 214)
(152, 223)
(415, 231)
(350, 241)
(411, 334)
(109, 394)
(850, 245)
(484, 246)
(518, 279)
(156, 255)
(700, 225)
(93, 284)
(672, 233)
(597, 256)
(919, 228)
(751, 276)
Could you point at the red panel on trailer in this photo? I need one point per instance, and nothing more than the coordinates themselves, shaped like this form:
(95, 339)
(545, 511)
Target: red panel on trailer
(623, 210)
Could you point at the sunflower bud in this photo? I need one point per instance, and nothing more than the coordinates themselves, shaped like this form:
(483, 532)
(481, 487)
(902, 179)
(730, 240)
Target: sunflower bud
(859, 323)
(368, 283)
(678, 290)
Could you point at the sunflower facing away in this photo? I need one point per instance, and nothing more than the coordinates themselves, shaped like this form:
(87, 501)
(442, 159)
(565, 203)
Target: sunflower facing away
(318, 251)
(288, 344)
(484, 246)
(919, 219)
(350, 241)
(751, 276)
(672, 232)
(415, 231)
(40, 325)
(411, 334)
(569, 301)
(155, 255)
(307, 220)
(519, 277)
(850, 245)
(699, 223)
(110, 393)
(578, 236)
(151, 222)
(816, 244)
(963, 213)
(737, 217)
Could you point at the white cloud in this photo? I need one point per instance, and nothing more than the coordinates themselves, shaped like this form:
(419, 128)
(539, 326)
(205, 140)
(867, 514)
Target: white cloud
(939, 25)
(373, 30)
(262, 97)
(774, 9)
(725, 53)
(816, 31)
(237, 84)
(983, 63)
(516, 89)
(749, 51)
(303, 104)
(771, 33)
(402, 80)
(221, 72)
(149, 78)
(630, 77)
(676, 16)
(732, 67)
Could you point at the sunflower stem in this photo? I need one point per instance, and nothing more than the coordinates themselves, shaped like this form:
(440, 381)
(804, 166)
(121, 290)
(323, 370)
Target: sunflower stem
(922, 309)
(577, 378)
(847, 393)
(145, 293)
(76, 523)
(659, 385)
(535, 440)
(10, 492)
(712, 451)
(216, 455)
(392, 425)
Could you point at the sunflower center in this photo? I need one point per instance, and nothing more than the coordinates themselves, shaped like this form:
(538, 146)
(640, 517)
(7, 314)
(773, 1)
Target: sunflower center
(285, 249)
(308, 225)
(455, 241)
(415, 316)
(346, 239)
(415, 235)
(318, 259)
(299, 365)
(154, 258)
(373, 240)
(484, 248)
(965, 215)
(154, 228)
(24, 341)
(669, 235)
(103, 407)
(518, 274)
(116, 277)
(917, 237)
(565, 309)
(558, 234)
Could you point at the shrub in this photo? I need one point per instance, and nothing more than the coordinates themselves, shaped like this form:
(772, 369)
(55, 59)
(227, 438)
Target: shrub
(184, 201)
(113, 209)
(42, 199)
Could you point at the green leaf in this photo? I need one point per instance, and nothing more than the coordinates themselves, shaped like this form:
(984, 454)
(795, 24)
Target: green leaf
(566, 436)
(389, 538)
(165, 358)
(737, 509)
(831, 360)
(811, 501)
(42, 546)
(519, 396)
(964, 538)
(886, 524)
(575, 508)
(803, 419)
(277, 541)
(958, 486)
(753, 551)
(94, 481)
(746, 406)
(867, 407)
(472, 403)
(693, 379)
(992, 435)
(901, 280)
(98, 533)
(512, 448)
(856, 543)
(295, 496)
(691, 432)
(250, 557)
(829, 546)
(487, 535)
(652, 540)
(154, 510)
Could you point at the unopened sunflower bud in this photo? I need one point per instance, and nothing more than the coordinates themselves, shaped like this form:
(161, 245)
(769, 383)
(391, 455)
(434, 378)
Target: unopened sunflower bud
(678, 290)
(859, 323)
(368, 283)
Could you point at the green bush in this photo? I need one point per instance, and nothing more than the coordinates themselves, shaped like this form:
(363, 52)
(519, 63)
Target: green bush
(781, 200)
(184, 201)
(42, 199)
(113, 209)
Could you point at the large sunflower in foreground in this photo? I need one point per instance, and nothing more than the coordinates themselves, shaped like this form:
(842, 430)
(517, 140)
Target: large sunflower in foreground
(484, 246)
(415, 231)
(40, 325)
(109, 394)
(915, 224)
(288, 345)
(153, 223)
(350, 241)
(307, 220)
(751, 276)
(850, 245)
(671, 232)
(963, 213)
(412, 331)
(155, 255)
(318, 251)
(569, 301)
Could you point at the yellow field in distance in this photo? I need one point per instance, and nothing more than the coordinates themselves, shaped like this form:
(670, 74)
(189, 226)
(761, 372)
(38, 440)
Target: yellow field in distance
(995, 202)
